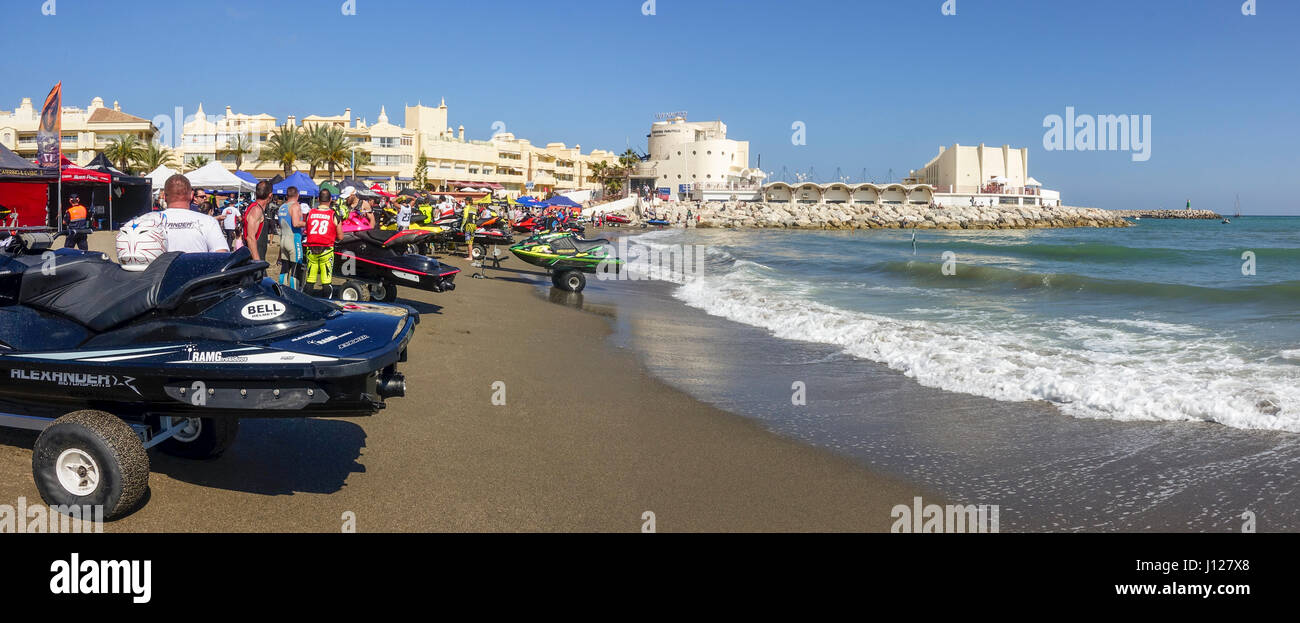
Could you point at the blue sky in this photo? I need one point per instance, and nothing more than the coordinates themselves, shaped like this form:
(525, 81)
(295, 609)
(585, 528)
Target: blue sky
(880, 84)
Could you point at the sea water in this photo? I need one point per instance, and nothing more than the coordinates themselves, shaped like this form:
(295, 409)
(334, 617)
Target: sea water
(1165, 321)
(1082, 379)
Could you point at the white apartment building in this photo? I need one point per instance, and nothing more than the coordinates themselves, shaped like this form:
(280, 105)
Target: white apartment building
(696, 159)
(505, 163)
(86, 131)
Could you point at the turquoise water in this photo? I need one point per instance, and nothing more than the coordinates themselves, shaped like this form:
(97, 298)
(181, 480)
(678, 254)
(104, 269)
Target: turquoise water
(1156, 322)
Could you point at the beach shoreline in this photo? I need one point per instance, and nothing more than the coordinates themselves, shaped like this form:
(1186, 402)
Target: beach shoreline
(587, 440)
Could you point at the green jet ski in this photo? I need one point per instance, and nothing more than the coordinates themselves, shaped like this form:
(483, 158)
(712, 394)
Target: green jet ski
(568, 257)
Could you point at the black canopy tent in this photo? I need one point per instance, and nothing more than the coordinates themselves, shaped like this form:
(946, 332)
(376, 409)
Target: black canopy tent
(128, 196)
(23, 189)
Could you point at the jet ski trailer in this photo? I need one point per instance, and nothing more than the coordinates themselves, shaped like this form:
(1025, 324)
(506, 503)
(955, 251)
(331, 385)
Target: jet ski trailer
(108, 363)
(568, 257)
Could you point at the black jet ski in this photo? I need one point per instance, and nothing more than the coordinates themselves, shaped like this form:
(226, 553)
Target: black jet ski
(383, 261)
(108, 362)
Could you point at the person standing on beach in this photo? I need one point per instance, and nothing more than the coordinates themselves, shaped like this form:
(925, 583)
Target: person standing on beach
(78, 221)
(291, 223)
(322, 233)
(230, 221)
(187, 230)
(256, 232)
(404, 215)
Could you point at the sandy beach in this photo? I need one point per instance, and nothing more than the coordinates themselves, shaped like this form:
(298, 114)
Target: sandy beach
(587, 441)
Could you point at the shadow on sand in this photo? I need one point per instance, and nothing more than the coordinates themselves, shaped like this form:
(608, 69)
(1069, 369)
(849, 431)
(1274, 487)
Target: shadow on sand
(277, 457)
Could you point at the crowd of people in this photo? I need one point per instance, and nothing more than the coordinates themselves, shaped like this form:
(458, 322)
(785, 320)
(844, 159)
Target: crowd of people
(308, 228)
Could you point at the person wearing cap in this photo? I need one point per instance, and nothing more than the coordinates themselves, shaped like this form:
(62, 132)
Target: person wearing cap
(77, 223)
(355, 203)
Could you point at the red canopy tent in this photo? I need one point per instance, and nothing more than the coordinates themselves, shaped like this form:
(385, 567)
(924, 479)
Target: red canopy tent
(76, 174)
(383, 193)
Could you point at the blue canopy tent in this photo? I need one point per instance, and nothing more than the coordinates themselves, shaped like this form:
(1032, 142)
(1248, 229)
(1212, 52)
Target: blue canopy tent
(306, 187)
(528, 202)
(560, 201)
(246, 176)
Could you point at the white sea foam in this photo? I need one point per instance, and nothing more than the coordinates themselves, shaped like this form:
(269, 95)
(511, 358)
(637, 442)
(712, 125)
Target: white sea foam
(1128, 371)
(1290, 354)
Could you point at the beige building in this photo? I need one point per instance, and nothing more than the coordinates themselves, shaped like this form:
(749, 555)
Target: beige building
(505, 163)
(981, 175)
(966, 169)
(958, 176)
(86, 131)
(690, 158)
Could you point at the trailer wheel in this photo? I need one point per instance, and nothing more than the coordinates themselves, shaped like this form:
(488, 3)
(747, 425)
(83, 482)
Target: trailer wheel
(91, 458)
(201, 438)
(478, 252)
(349, 291)
(383, 292)
(570, 281)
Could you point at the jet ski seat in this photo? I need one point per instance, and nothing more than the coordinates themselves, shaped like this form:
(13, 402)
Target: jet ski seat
(100, 295)
(585, 246)
(94, 291)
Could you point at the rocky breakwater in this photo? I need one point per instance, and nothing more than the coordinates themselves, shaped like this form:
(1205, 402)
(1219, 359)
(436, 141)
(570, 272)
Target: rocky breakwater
(1186, 214)
(884, 216)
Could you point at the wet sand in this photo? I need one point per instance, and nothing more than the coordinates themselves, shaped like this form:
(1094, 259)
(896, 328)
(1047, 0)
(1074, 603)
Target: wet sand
(588, 440)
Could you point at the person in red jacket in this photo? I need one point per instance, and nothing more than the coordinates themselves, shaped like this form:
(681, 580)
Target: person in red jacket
(321, 232)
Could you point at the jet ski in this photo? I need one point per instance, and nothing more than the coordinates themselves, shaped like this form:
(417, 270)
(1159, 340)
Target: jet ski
(109, 362)
(615, 220)
(528, 224)
(485, 237)
(383, 260)
(568, 257)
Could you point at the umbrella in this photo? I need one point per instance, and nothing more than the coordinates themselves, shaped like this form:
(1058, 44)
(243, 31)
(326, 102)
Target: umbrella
(409, 192)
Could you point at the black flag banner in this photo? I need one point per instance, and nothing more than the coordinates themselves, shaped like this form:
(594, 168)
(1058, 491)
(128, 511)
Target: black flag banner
(49, 135)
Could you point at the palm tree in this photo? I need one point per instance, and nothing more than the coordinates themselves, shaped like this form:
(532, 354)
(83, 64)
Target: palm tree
(330, 148)
(197, 162)
(286, 145)
(360, 159)
(155, 155)
(311, 153)
(238, 146)
(124, 150)
(629, 159)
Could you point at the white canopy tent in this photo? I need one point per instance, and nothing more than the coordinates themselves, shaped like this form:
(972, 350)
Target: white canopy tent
(214, 176)
(159, 177)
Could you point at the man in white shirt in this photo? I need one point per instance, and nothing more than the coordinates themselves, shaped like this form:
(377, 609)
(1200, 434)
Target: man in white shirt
(187, 230)
(230, 220)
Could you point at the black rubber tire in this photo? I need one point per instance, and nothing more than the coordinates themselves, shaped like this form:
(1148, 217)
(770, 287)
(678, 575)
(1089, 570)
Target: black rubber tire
(478, 252)
(350, 292)
(116, 450)
(570, 281)
(216, 435)
(389, 294)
